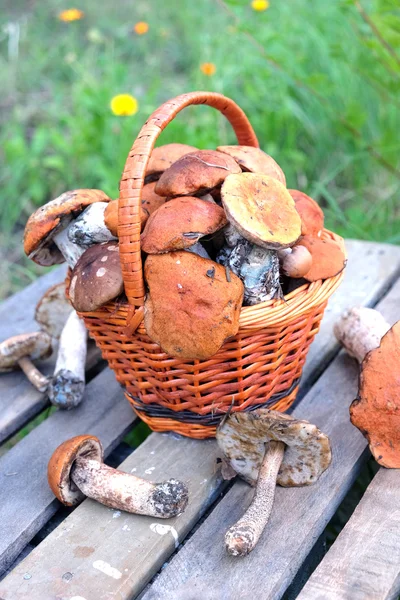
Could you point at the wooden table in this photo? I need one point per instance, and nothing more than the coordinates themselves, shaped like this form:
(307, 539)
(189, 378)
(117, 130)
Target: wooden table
(96, 553)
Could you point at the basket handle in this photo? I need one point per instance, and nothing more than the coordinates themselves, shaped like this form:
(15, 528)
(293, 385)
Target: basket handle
(132, 179)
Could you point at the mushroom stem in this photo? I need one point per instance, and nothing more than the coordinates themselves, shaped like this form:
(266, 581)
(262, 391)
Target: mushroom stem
(68, 384)
(70, 251)
(126, 492)
(242, 537)
(39, 381)
(89, 228)
(258, 268)
(360, 330)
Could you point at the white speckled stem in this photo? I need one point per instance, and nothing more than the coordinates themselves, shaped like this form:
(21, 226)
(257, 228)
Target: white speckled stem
(126, 492)
(242, 537)
(89, 228)
(39, 381)
(68, 384)
(360, 330)
(70, 251)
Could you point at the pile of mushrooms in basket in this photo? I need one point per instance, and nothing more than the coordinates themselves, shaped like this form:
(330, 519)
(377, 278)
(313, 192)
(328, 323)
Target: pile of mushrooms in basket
(219, 230)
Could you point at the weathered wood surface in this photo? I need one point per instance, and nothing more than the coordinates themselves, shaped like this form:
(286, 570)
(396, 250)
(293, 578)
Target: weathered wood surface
(26, 501)
(98, 552)
(370, 270)
(19, 400)
(299, 515)
(364, 561)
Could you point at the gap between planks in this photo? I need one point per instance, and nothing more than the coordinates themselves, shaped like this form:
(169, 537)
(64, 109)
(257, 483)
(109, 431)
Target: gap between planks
(386, 260)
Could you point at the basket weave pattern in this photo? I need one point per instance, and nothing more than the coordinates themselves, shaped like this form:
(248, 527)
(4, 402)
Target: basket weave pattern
(262, 364)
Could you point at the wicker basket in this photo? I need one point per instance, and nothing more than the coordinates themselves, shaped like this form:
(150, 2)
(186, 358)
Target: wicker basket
(260, 366)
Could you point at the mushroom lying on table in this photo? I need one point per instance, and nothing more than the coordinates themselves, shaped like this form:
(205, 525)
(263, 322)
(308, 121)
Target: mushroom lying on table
(67, 385)
(76, 470)
(20, 350)
(46, 239)
(367, 336)
(263, 219)
(266, 447)
(53, 310)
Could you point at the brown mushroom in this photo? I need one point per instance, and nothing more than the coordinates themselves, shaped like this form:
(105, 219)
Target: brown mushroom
(20, 350)
(90, 227)
(180, 223)
(296, 262)
(254, 160)
(150, 202)
(196, 173)
(53, 309)
(328, 257)
(192, 306)
(76, 469)
(266, 447)
(261, 209)
(46, 233)
(96, 278)
(163, 157)
(376, 411)
(312, 217)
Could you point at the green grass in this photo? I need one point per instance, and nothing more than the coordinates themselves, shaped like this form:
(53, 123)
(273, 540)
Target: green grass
(320, 89)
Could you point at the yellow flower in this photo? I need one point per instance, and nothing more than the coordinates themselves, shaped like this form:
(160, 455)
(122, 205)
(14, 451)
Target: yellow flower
(124, 105)
(71, 14)
(141, 28)
(260, 5)
(208, 69)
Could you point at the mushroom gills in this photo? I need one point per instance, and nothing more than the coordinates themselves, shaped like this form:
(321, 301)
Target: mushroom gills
(124, 491)
(258, 268)
(89, 228)
(67, 386)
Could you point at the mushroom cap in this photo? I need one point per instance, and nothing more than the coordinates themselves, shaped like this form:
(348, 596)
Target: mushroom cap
(328, 257)
(53, 309)
(51, 218)
(61, 463)
(376, 410)
(261, 209)
(164, 156)
(96, 278)
(242, 438)
(180, 223)
(33, 345)
(196, 173)
(150, 202)
(297, 263)
(191, 307)
(254, 160)
(312, 217)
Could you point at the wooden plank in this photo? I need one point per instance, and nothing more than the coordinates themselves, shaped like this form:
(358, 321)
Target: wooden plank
(19, 400)
(370, 271)
(299, 515)
(364, 561)
(97, 548)
(26, 501)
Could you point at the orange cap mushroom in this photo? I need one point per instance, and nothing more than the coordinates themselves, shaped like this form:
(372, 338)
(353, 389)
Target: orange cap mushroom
(191, 307)
(164, 156)
(180, 223)
(261, 209)
(150, 202)
(312, 217)
(196, 173)
(328, 257)
(254, 160)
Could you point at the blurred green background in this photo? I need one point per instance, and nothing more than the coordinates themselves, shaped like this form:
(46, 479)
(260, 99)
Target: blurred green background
(319, 81)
